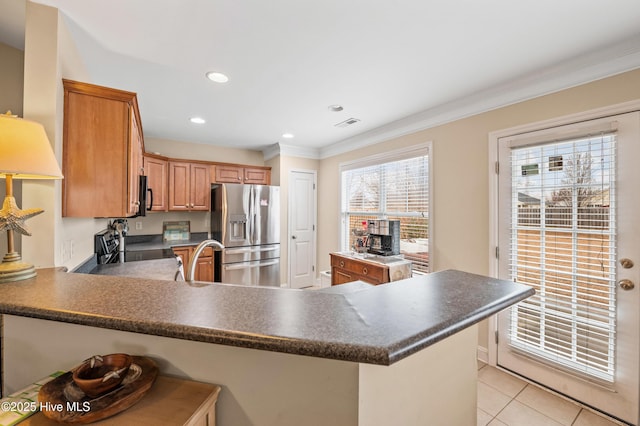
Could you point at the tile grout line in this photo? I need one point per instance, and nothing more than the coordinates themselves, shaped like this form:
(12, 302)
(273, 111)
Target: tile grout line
(579, 405)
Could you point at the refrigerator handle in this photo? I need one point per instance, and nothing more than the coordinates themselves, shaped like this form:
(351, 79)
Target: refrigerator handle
(250, 250)
(252, 265)
(250, 227)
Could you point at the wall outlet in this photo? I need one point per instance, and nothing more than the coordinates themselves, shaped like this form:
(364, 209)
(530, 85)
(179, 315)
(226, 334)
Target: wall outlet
(63, 252)
(66, 251)
(138, 226)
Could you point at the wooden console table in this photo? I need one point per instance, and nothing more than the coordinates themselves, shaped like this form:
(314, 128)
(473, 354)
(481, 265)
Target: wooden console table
(171, 401)
(346, 268)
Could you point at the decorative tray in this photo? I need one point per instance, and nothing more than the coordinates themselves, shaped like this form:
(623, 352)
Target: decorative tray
(63, 401)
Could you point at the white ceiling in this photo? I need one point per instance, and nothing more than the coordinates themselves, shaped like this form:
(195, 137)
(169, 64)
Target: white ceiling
(398, 66)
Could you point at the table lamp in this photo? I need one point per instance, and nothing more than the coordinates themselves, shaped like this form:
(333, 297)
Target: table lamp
(25, 153)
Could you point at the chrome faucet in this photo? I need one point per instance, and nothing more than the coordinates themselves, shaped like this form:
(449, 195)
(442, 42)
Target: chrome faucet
(191, 268)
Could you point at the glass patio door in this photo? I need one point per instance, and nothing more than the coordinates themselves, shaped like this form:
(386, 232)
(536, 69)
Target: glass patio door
(569, 206)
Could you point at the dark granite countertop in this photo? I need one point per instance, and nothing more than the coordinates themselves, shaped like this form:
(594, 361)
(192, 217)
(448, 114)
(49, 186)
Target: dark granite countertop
(156, 269)
(377, 325)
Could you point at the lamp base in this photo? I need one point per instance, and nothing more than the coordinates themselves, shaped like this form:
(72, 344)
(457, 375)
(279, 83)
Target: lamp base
(13, 269)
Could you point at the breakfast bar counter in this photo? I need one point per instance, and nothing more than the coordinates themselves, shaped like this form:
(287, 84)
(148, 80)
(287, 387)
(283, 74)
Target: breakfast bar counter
(282, 356)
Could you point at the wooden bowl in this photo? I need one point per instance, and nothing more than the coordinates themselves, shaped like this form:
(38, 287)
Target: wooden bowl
(100, 374)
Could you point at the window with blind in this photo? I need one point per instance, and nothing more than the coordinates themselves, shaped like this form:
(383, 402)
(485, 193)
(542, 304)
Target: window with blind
(394, 186)
(563, 244)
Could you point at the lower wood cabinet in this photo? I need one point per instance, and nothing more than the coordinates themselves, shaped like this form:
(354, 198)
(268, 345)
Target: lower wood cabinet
(346, 269)
(204, 267)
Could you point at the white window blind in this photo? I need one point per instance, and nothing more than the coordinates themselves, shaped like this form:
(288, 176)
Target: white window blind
(563, 244)
(391, 189)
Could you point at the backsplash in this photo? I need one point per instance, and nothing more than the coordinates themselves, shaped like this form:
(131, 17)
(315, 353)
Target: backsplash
(152, 222)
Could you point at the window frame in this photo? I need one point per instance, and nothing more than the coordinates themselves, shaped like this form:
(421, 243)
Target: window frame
(405, 153)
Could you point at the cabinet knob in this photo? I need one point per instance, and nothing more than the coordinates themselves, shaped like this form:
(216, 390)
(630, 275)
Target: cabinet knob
(365, 270)
(342, 263)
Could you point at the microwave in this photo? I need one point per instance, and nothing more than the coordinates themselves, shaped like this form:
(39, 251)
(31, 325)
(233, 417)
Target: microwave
(143, 189)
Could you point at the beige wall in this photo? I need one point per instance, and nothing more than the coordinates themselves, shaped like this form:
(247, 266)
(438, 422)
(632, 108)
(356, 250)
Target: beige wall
(11, 79)
(11, 87)
(50, 55)
(194, 151)
(460, 204)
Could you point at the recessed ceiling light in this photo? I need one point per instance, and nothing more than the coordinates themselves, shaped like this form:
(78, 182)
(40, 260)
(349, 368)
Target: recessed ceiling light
(287, 135)
(197, 120)
(218, 77)
(335, 108)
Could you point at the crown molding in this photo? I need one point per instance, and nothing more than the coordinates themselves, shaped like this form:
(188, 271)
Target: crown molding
(290, 151)
(574, 72)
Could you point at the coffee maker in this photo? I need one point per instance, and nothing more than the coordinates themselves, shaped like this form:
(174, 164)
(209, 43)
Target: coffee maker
(384, 237)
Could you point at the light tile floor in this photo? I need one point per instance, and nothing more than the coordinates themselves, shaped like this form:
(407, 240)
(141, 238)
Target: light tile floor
(504, 399)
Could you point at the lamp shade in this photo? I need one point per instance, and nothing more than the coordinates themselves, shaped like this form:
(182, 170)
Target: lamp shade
(25, 151)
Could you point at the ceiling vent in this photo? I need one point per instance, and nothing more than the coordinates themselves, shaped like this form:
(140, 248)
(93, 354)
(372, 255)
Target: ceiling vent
(347, 122)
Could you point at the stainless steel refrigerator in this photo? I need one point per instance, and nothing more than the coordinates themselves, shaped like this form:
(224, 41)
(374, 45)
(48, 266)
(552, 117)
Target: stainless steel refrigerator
(246, 220)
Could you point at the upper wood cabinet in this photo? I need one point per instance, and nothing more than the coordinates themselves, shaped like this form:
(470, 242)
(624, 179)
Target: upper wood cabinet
(228, 173)
(102, 151)
(157, 173)
(189, 186)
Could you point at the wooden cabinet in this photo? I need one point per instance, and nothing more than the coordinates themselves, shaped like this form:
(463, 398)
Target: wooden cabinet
(204, 267)
(189, 186)
(346, 269)
(229, 173)
(156, 170)
(102, 151)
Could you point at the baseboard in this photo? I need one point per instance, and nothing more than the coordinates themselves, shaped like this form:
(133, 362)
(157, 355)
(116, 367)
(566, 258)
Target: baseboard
(483, 354)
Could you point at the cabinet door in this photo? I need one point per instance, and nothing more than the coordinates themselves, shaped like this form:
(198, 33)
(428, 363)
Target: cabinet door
(184, 253)
(229, 174)
(94, 164)
(339, 276)
(204, 269)
(156, 171)
(257, 176)
(179, 185)
(200, 188)
(102, 151)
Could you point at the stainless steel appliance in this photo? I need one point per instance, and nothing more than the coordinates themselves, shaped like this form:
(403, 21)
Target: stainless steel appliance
(106, 245)
(109, 246)
(246, 220)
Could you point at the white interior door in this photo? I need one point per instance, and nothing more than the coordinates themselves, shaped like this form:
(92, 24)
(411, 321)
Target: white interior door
(302, 228)
(569, 199)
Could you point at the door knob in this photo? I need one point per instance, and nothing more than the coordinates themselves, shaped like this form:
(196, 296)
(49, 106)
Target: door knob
(293, 237)
(626, 284)
(626, 263)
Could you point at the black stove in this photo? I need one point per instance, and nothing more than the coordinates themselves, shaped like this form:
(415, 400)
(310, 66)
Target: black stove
(107, 246)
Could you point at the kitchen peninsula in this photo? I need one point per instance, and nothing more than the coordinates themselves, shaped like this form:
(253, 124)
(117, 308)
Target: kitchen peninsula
(391, 354)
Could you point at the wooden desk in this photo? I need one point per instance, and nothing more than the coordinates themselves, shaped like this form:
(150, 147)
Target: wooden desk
(170, 401)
